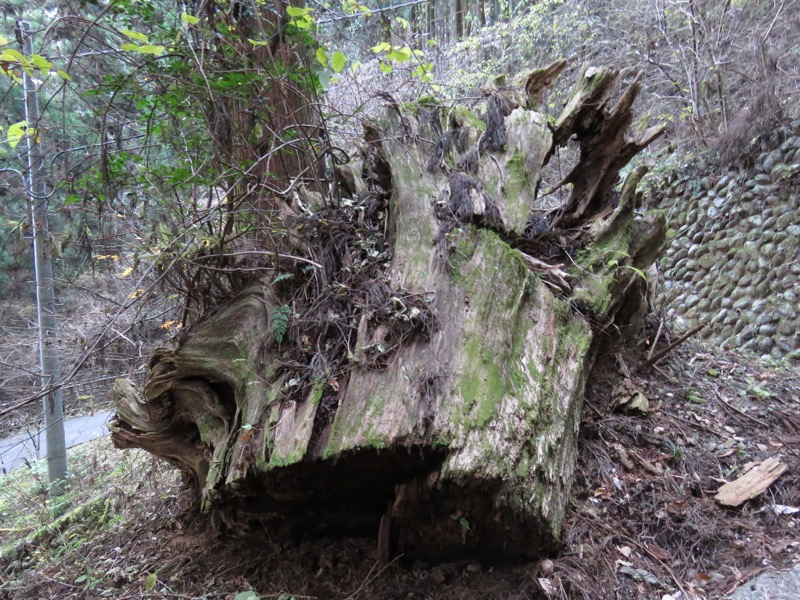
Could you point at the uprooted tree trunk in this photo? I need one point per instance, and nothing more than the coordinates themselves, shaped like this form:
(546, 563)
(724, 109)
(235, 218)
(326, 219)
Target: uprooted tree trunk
(424, 381)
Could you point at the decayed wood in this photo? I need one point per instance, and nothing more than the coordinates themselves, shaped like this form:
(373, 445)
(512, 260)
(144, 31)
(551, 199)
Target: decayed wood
(536, 82)
(460, 440)
(752, 483)
(602, 132)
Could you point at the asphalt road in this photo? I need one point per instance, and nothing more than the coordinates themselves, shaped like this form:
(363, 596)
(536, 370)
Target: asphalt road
(19, 449)
(775, 585)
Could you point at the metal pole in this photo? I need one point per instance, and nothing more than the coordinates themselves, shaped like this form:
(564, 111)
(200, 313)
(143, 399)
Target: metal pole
(53, 403)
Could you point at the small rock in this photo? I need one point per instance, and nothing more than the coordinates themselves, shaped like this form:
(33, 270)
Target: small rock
(751, 346)
(769, 329)
(746, 334)
(773, 158)
(765, 344)
(768, 317)
(761, 179)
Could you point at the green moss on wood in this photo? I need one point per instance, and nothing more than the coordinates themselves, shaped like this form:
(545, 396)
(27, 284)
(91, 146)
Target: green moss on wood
(462, 116)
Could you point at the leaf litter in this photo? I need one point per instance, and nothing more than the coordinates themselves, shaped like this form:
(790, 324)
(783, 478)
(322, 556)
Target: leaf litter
(643, 521)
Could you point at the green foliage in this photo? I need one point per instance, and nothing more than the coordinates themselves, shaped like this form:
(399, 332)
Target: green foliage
(150, 582)
(615, 262)
(17, 132)
(280, 322)
(391, 55)
(282, 277)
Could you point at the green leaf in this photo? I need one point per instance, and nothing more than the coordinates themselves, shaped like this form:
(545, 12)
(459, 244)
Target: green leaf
(338, 61)
(143, 49)
(150, 582)
(639, 272)
(40, 62)
(64, 75)
(72, 199)
(189, 19)
(397, 56)
(294, 11)
(134, 35)
(303, 23)
(282, 277)
(759, 392)
(280, 322)
(15, 57)
(11, 55)
(322, 56)
(386, 68)
(382, 47)
(248, 595)
(16, 132)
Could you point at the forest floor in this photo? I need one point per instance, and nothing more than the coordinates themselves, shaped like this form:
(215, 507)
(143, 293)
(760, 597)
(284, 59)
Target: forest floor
(643, 522)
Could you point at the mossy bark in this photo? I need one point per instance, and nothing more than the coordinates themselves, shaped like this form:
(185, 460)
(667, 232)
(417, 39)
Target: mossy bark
(463, 442)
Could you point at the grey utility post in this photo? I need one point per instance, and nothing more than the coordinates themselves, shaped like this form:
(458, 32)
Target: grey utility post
(53, 403)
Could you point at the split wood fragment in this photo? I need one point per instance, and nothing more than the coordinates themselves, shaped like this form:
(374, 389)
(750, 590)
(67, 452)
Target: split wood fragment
(752, 483)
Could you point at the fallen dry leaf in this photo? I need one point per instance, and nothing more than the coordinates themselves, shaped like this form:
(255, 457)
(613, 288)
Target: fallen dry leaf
(626, 551)
(658, 552)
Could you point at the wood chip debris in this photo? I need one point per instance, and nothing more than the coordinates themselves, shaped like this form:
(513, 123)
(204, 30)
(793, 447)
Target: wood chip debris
(752, 483)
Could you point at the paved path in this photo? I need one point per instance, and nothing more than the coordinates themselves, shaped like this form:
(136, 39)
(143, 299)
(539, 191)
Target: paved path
(16, 450)
(775, 585)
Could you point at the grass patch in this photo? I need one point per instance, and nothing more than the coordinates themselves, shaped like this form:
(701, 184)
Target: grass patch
(106, 486)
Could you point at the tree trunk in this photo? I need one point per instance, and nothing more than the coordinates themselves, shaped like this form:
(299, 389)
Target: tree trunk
(456, 20)
(425, 382)
(431, 20)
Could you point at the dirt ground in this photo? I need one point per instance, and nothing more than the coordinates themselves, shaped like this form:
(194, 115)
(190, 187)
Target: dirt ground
(643, 522)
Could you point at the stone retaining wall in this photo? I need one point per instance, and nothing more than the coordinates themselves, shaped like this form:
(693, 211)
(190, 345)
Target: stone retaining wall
(734, 260)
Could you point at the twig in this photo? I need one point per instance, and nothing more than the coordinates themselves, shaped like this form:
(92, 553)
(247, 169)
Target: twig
(699, 426)
(740, 411)
(745, 578)
(662, 563)
(662, 353)
(594, 408)
(655, 340)
(368, 579)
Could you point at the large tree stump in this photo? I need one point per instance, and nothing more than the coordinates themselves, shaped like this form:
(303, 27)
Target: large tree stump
(437, 400)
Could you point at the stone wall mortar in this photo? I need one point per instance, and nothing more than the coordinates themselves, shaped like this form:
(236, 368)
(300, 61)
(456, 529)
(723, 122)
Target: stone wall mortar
(733, 260)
